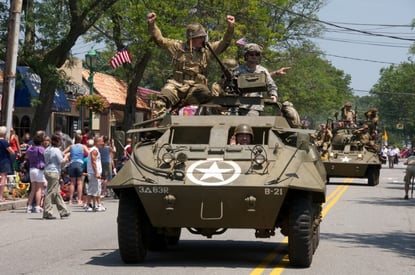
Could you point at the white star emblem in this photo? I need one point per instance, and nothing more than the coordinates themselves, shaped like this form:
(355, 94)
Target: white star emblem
(213, 172)
(345, 159)
(213, 176)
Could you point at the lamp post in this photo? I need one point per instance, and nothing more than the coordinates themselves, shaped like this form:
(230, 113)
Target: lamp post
(91, 62)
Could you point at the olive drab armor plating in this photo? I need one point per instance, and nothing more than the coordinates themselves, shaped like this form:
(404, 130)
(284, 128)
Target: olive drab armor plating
(189, 174)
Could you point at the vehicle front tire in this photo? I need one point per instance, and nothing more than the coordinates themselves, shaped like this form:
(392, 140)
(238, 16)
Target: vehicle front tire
(131, 222)
(372, 175)
(300, 235)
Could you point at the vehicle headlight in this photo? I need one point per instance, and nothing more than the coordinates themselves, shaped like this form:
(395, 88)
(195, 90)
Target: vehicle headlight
(359, 156)
(167, 158)
(259, 159)
(181, 157)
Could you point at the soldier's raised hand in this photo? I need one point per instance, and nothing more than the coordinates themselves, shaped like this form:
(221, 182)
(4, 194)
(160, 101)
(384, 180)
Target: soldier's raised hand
(151, 17)
(230, 20)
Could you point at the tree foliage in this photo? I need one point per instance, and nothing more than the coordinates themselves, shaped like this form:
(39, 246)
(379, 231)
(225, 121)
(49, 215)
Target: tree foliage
(395, 94)
(313, 85)
(51, 29)
(282, 27)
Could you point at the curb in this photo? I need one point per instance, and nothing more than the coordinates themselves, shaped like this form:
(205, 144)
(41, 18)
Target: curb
(13, 204)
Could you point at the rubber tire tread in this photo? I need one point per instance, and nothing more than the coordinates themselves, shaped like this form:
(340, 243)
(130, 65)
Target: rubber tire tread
(372, 175)
(300, 236)
(133, 248)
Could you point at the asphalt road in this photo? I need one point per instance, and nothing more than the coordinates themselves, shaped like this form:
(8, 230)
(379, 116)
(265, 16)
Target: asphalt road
(365, 230)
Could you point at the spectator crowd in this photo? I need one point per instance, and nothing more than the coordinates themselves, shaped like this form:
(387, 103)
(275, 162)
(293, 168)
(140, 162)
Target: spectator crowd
(60, 169)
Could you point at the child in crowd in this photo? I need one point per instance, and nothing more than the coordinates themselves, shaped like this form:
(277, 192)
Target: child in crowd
(65, 182)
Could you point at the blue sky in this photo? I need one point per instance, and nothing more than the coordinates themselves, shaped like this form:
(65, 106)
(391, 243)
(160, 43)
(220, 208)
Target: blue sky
(343, 48)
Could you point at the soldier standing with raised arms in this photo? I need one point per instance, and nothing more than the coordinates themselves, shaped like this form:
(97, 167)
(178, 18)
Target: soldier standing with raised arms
(190, 60)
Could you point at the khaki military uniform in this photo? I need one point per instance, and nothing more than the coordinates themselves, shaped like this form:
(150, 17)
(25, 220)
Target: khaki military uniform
(372, 119)
(291, 114)
(348, 116)
(324, 140)
(189, 82)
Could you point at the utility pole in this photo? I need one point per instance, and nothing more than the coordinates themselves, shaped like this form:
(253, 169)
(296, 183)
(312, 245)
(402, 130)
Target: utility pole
(9, 74)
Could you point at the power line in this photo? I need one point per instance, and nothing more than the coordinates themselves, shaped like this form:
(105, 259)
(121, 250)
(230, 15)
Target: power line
(361, 59)
(363, 42)
(364, 32)
(372, 24)
(384, 93)
(335, 30)
(347, 28)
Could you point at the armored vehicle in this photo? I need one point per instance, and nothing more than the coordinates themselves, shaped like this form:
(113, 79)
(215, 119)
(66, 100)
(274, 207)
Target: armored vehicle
(184, 173)
(349, 157)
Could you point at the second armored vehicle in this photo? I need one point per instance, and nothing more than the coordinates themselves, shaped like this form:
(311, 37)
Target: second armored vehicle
(349, 157)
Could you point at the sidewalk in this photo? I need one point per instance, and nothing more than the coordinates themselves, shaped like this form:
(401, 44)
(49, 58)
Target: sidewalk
(13, 204)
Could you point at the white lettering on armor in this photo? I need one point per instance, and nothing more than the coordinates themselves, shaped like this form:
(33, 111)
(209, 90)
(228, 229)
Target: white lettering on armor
(273, 191)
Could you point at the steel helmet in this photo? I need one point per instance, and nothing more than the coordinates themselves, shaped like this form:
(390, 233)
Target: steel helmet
(252, 47)
(195, 30)
(243, 129)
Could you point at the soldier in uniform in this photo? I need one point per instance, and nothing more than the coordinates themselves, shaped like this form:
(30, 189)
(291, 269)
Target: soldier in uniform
(291, 114)
(252, 55)
(372, 119)
(324, 139)
(243, 135)
(348, 115)
(190, 59)
(366, 139)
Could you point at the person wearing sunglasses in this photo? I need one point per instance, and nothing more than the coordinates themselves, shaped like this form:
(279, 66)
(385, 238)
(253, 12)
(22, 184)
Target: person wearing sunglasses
(252, 56)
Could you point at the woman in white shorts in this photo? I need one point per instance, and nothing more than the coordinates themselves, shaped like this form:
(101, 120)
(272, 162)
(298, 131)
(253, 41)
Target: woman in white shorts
(35, 155)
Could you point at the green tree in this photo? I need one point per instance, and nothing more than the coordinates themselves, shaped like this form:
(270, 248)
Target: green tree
(51, 29)
(4, 15)
(395, 98)
(273, 24)
(313, 85)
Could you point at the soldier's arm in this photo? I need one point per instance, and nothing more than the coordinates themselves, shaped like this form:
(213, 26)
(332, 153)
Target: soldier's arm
(157, 36)
(221, 45)
(272, 87)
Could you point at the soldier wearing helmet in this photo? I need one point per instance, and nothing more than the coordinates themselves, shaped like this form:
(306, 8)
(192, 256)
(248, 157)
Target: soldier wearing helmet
(190, 60)
(348, 115)
(252, 56)
(243, 135)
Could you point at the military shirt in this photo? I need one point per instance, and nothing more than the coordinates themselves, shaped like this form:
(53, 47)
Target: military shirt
(187, 60)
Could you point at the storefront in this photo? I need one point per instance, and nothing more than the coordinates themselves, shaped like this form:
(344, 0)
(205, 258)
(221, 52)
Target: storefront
(26, 95)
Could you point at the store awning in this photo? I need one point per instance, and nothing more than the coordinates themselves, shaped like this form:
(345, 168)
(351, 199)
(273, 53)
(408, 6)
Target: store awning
(28, 88)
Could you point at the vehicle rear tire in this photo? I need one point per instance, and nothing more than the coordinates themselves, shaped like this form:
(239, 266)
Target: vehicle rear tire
(300, 235)
(131, 223)
(372, 175)
(174, 239)
(316, 238)
(157, 241)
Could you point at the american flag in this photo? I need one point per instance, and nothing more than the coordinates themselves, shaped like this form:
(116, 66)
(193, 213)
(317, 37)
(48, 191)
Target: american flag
(120, 58)
(241, 42)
